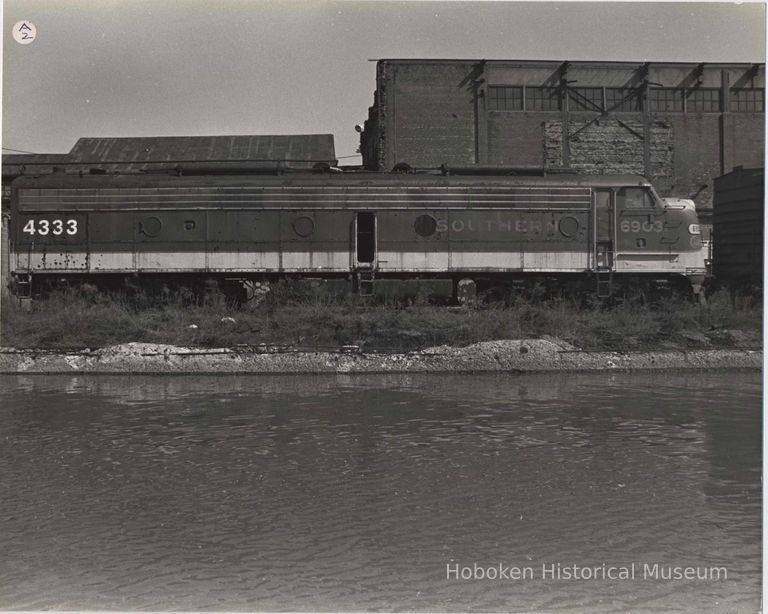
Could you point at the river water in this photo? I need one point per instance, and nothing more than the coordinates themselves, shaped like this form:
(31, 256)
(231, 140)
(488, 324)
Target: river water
(380, 492)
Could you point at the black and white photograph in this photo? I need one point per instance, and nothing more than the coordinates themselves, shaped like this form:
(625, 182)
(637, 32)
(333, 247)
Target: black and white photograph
(382, 306)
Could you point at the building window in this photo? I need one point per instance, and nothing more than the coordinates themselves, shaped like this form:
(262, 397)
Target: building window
(542, 99)
(585, 99)
(705, 100)
(665, 99)
(505, 98)
(748, 100)
(622, 100)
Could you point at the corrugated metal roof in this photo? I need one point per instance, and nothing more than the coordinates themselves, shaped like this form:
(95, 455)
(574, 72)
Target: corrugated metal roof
(140, 153)
(217, 154)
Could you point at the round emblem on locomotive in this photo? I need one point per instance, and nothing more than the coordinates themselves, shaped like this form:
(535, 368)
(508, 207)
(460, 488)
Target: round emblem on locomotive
(150, 226)
(303, 226)
(568, 226)
(425, 225)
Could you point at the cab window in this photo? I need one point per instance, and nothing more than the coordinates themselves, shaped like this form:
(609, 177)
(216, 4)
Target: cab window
(633, 198)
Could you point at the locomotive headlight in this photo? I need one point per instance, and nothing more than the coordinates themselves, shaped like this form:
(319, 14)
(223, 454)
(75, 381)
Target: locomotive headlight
(694, 229)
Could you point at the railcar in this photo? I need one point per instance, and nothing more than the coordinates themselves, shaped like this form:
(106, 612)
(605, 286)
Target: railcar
(372, 233)
(739, 210)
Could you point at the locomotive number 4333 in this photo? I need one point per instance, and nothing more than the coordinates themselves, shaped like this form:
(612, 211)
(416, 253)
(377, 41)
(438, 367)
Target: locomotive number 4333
(55, 227)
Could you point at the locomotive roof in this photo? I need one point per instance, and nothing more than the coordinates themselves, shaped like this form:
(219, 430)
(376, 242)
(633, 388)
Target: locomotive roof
(351, 179)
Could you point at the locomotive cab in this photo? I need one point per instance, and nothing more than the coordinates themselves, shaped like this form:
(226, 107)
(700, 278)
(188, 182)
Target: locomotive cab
(644, 238)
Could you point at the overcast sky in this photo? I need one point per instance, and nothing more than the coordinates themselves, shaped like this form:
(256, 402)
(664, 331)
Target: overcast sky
(194, 67)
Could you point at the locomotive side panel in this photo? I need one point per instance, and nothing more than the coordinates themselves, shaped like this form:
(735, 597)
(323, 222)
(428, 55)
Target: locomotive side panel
(243, 240)
(315, 240)
(111, 241)
(519, 240)
(497, 240)
(221, 241)
(46, 237)
(412, 241)
(170, 241)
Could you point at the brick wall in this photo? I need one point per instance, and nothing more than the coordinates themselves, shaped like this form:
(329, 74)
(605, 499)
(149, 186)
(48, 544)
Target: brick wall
(514, 139)
(744, 140)
(697, 156)
(610, 146)
(430, 115)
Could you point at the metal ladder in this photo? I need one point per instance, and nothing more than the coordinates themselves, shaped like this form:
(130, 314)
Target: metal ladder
(365, 276)
(604, 279)
(23, 286)
(604, 270)
(23, 282)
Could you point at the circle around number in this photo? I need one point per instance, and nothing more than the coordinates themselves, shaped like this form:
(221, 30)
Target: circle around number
(24, 32)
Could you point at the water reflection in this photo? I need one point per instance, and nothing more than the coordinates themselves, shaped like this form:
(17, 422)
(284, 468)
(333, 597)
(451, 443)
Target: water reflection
(342, 492)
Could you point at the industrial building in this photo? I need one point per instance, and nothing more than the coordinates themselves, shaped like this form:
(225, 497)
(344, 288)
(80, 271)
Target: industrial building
(679, 124)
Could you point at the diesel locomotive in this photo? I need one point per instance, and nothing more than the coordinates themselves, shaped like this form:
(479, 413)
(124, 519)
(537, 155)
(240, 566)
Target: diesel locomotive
(436, 233)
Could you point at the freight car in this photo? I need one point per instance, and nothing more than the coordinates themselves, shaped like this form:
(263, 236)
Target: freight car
(738, 207)
(374, 233)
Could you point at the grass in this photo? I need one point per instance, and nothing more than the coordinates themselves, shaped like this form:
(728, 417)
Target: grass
(68, 319)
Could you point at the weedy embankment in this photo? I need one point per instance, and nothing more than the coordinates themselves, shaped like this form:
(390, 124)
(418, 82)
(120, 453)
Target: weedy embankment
(69, 319)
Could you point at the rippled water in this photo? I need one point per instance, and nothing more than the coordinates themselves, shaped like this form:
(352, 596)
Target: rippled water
(359, 493)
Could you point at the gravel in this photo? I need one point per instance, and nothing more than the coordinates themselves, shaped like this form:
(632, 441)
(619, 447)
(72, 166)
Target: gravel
(510, 356)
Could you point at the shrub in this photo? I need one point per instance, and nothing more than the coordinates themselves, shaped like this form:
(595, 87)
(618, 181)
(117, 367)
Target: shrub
(71, 319)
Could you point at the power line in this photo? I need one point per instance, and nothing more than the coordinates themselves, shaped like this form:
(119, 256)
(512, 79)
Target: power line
(19, 150)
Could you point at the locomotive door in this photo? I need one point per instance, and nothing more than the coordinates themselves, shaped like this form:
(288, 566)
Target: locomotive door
(604, 226)
(365, 240)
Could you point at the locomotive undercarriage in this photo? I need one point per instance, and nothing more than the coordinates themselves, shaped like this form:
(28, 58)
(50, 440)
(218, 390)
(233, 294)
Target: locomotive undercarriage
(461, 288)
